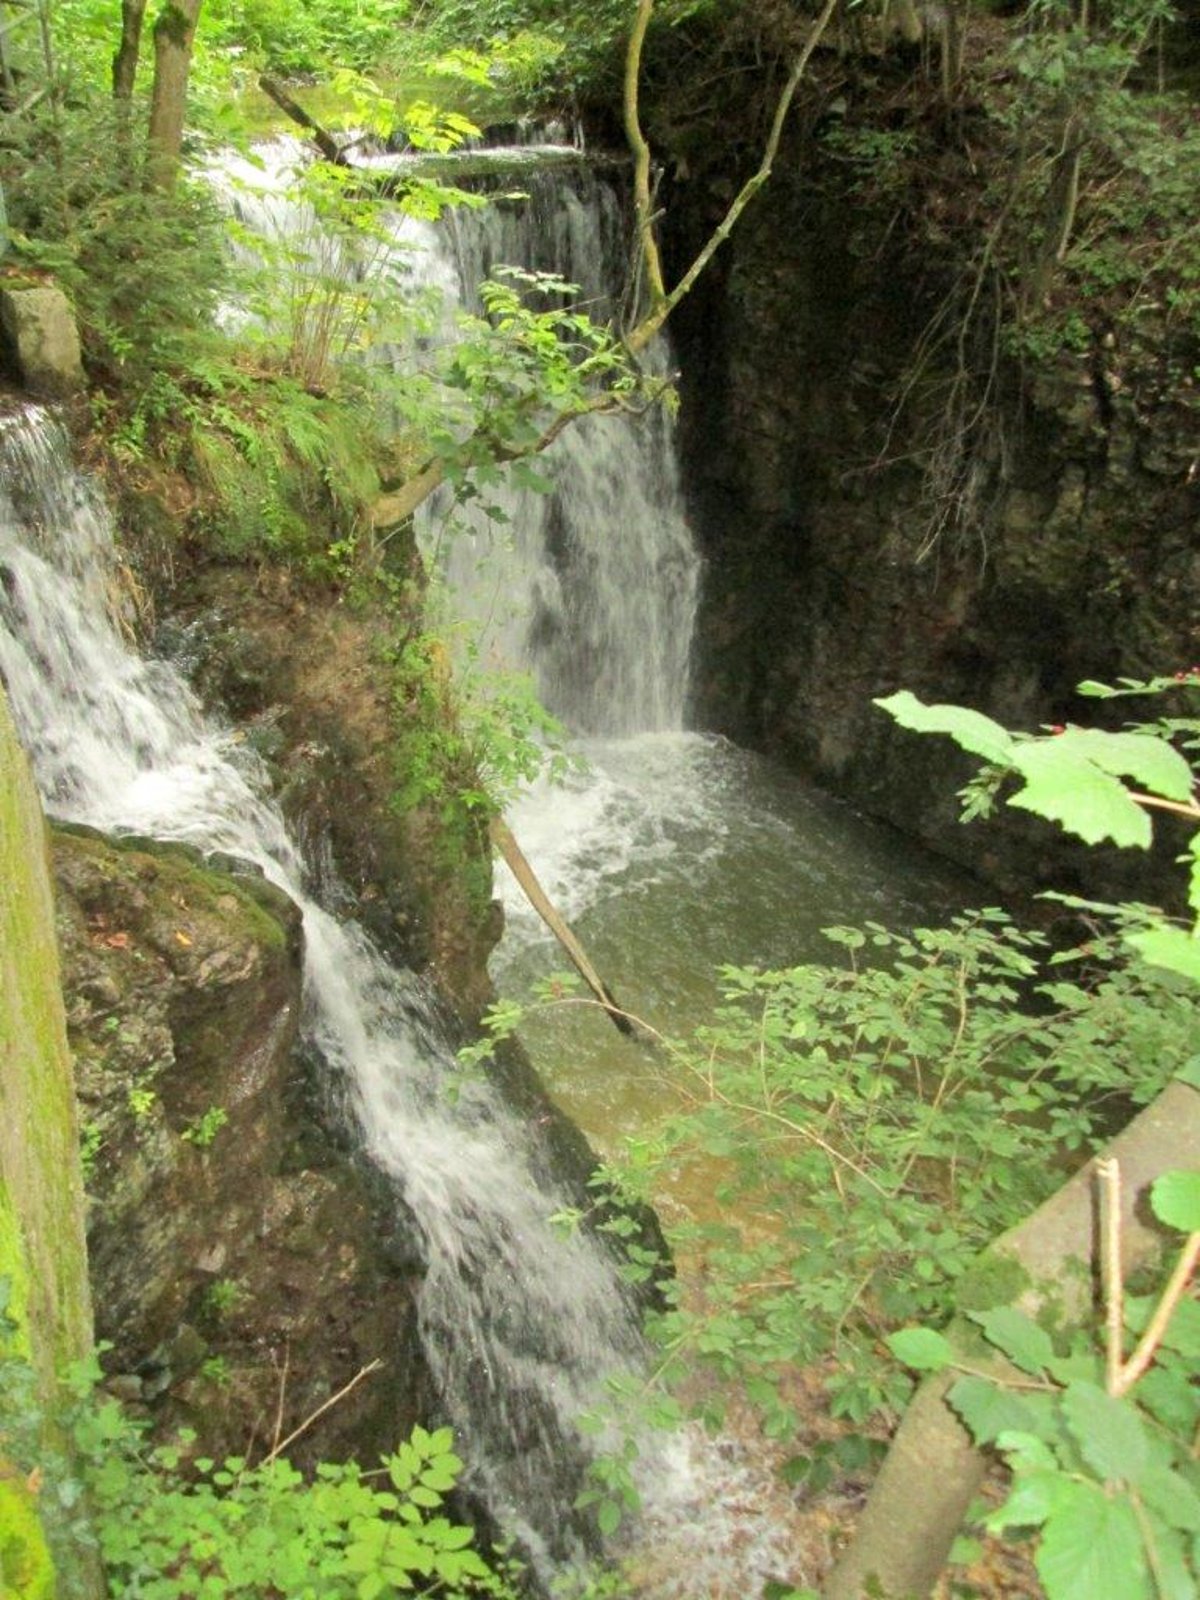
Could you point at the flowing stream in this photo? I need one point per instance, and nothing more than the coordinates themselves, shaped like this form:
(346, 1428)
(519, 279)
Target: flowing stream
(672, 852)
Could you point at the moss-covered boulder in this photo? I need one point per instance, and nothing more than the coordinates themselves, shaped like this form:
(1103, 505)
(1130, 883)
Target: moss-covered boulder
(239, 1250)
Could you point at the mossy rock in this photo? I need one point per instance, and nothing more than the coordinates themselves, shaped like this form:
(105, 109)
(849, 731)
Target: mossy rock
(26, 1571)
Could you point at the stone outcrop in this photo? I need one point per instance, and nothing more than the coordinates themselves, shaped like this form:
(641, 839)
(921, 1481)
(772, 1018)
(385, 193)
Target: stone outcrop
(239, 1251)
(41, 340)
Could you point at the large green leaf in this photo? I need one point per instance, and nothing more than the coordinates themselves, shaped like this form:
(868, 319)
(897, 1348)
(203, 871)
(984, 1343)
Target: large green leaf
(1171, 948)
(1153, 763)
(1061, 783)
(1107, 1431)
(1025, 1344)
(988, 1409)
(1035, 1498)
(921, 1348)
(1192, 855)
(1172, 1497)
(1175, 1199)
(1091, 1549)
(971, 729)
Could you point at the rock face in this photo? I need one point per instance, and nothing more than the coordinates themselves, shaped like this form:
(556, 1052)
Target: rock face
(308, 677)
(824, 589)
(42, 340)
(238, 1252)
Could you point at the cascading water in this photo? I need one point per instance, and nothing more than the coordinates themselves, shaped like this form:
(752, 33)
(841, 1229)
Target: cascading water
(591, 587)
(521, 1326)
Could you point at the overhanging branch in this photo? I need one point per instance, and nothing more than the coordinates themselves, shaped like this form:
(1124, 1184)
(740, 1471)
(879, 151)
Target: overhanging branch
(650, 324)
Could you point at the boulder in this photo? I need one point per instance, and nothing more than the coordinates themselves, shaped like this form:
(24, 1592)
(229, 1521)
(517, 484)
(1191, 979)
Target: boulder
(245, 1262)
(42, 340)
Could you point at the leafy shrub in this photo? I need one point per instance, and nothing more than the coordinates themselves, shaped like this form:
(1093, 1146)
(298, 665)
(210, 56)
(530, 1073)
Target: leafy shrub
(144, 268)
(1101, 1450)
(889, 1120)
(875, 1125)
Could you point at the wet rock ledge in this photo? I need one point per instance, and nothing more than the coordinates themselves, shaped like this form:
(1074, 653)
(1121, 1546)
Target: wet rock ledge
(231, 1234)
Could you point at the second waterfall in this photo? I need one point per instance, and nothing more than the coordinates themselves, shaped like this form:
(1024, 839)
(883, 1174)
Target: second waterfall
(592, 585)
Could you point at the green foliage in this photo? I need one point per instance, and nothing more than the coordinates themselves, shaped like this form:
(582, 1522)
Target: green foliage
(91, 1138)
(1072, 776)
(1176, 1200)
(875, 1125)
(169, 1522)
(310, 38)
(1110, 1480)
(144, 268)
(577, 45)
(203, 1131)
(1101, 1445)
(223, 1296)
(891, 1120)
(517, 370)
(466, 740)
(1082, 778)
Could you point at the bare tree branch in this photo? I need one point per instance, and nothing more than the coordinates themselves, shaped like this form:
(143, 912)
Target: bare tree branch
(650, 324)
(321, 137)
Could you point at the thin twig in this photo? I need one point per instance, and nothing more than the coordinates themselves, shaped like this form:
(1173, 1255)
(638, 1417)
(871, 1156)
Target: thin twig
(1188, 809)
(363, 1372)
(1108, 1175)
(283, 1377)
(1157, 1327)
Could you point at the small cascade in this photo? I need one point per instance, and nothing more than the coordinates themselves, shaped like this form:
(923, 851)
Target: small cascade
(521, 1326)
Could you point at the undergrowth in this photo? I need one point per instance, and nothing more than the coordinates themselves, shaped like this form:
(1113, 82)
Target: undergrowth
(168, 1523)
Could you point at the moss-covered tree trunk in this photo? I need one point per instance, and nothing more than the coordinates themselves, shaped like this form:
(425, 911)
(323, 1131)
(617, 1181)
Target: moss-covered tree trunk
(43, 1262)
(125, 62)
(41, 1189)
(174, 34)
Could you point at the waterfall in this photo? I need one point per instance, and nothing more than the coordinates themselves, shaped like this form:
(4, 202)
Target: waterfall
(591, 587)
(521, 1327)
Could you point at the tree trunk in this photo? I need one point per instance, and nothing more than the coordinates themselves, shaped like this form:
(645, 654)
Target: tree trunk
(125, 62)
(933, 1469)
(531, 888)
(174, 33)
